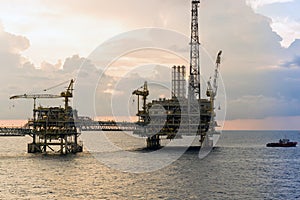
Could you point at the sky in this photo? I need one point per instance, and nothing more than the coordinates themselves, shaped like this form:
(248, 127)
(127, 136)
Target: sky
(112, 48)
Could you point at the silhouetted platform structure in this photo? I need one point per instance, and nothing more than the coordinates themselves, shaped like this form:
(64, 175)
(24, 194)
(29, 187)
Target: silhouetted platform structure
(185, 113)
(87, 124)
(51, 127)
(13, 131)
(84, 124)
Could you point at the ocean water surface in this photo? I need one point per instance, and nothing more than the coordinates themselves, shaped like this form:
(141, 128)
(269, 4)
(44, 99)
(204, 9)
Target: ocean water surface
(239, 167)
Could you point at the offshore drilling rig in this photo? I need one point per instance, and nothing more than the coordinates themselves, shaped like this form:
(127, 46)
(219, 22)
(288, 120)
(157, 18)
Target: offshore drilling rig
(53, 127)
(185, 113)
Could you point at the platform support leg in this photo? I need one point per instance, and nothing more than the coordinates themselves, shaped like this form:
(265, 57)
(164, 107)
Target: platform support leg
(153, 142)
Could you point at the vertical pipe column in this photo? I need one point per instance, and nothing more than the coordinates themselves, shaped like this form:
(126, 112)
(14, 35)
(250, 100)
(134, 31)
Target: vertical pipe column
(45, 143)
(66, 144)
(183, 81)
(174, 82)
(178, 82)
(61, 145)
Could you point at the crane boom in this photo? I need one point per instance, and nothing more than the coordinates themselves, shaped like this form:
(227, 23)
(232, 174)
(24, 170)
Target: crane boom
(215, 84)
(35, 96)
(212, 89)
(55, 86)
(66, 95)
(212, 93)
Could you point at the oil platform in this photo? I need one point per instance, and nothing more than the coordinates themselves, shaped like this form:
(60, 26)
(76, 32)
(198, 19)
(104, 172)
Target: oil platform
(53, 127)
(185, 113)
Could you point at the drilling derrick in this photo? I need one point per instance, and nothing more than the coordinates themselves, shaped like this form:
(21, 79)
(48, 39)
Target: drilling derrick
(194, 79)
(194, 92)
(185, 113)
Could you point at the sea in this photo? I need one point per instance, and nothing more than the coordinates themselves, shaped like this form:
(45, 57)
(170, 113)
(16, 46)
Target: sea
(240, 166)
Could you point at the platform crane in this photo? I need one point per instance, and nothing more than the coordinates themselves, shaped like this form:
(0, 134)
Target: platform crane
(66, 95)
(34, 97)
(53, 126)
(212, 91)
(144, 92)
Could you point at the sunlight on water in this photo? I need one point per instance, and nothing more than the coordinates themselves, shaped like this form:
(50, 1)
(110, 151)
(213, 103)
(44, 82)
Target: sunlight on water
(240, 167)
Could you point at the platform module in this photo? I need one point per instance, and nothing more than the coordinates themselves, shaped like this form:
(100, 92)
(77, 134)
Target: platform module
(53, 128)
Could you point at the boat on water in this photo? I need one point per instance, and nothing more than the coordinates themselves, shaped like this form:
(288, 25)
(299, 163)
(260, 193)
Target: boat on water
(282, 143)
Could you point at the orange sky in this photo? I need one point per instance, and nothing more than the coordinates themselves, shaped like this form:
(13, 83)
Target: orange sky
(31, 32)
(12, 123)
(272, 123)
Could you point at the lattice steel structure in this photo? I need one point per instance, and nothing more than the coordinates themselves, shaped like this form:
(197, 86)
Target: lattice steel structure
(194, 79)
(182, 114)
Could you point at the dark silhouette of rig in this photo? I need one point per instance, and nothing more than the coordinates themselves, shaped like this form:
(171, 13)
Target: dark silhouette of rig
(53, 128)
(186, 112)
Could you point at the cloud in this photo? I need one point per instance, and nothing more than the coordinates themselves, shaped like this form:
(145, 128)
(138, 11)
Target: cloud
(259, 107)
(11, 43)
(259, 3)
(19, 76)
(269, 123)
(295, 62)
(79, 29)
(247, 39)
(287, 28)
(284, 18)
(73, 63)
(11, 48)
(46, 66)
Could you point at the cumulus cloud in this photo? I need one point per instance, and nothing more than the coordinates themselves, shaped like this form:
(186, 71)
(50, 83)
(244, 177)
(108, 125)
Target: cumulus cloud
(73, 63)
(259, 107)
(289, 29)
(19, 75)
(249, 44)
(11, 47)
(259, 3)
(247, 39)
(295, 62)
(11, 43)
(284, 16)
